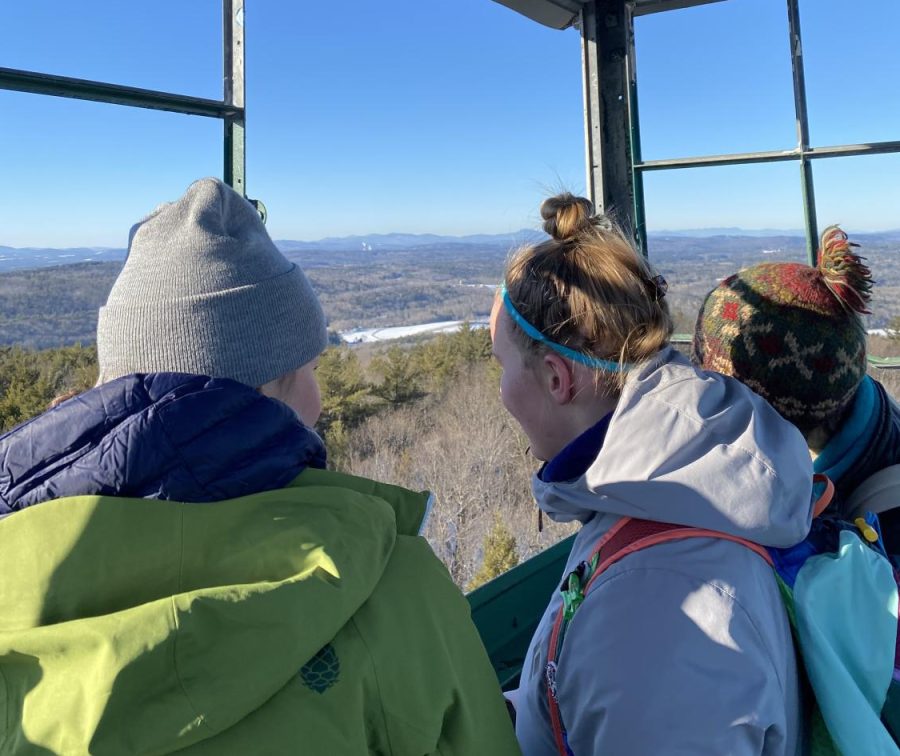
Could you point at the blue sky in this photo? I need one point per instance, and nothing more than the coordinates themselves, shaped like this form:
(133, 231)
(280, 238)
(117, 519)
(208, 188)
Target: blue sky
(442, 116)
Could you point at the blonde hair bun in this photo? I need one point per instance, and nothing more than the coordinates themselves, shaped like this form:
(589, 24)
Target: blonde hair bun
(587, 289)
(566, 215)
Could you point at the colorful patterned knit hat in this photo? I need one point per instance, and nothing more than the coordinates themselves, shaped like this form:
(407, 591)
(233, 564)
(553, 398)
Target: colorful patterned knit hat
(791, 332)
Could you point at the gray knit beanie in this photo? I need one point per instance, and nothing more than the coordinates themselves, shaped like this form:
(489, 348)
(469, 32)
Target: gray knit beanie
(205, 291)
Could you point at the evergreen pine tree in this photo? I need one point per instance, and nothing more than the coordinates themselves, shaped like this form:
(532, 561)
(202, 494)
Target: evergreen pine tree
(500, 555)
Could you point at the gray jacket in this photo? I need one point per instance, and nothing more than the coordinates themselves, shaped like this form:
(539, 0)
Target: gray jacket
(685, 647)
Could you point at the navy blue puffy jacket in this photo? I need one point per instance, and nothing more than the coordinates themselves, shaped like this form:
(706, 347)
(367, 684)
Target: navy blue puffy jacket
(160, 436)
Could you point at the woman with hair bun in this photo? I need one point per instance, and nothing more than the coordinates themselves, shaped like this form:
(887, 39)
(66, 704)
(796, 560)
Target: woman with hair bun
(662, 639)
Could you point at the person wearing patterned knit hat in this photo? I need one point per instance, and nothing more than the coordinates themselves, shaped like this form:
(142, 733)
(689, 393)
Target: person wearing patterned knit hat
(181, 572)
(793, 333)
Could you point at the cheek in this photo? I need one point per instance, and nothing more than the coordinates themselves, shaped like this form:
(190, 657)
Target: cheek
(305, 398)
(312, 404)
(515, 396)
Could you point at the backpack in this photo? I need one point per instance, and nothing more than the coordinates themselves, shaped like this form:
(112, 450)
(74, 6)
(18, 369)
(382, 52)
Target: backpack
(837, 585)
(877, 494)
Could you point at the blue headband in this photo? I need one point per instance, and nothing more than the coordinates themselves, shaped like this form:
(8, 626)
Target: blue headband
(534, 333)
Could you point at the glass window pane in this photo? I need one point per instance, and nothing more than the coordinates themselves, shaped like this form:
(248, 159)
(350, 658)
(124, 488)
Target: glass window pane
(852, 64)
(715, 79)
(168, 45)
(706, 223)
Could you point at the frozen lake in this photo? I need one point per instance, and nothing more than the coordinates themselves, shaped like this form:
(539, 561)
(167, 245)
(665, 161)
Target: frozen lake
(372, 335)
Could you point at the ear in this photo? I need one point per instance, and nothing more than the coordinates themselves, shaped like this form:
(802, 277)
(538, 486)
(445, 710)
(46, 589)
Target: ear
(495, 314)
(559, 378)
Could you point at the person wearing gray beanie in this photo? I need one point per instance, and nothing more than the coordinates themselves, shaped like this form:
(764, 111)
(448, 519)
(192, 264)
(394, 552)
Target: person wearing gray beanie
(181, 571)
(205, 291)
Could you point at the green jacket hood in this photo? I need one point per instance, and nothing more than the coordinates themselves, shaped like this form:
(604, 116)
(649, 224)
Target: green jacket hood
(144, 626)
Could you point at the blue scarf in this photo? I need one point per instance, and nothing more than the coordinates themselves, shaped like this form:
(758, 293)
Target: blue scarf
(868, 441)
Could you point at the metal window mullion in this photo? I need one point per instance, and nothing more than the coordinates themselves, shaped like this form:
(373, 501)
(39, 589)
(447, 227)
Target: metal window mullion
(32, 82)
(593, 150)
(634, 131)
(234, 124)
(742, 158)
(800, 109)
(604, 53)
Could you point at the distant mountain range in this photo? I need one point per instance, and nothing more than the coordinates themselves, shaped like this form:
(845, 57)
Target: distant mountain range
(23, 258)
(409, 241)
(20, 258)
(702, 233)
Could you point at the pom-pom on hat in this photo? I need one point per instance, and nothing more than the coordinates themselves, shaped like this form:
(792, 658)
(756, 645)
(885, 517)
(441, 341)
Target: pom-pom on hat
(791, 332)
(204, 290)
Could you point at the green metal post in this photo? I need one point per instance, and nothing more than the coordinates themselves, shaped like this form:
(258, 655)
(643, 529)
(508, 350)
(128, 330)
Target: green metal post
(234, 125)
(607, 143)
(114, 94)
(634, 128)
(806, 177)
(592, 112)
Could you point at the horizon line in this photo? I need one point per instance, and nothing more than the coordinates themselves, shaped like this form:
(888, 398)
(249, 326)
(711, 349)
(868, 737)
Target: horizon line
(687, 232)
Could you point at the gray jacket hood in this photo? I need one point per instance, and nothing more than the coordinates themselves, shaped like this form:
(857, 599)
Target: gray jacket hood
(693, 448)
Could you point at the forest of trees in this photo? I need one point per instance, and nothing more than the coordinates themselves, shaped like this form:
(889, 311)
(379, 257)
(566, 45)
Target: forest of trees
(31, 380)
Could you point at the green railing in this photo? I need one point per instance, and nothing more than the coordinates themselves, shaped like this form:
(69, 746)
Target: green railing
(230, 109)
(507, 610)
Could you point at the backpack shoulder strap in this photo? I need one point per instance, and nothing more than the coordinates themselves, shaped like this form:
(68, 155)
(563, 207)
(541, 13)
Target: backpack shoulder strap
(633, 535)
(878, 493)
(627, 536)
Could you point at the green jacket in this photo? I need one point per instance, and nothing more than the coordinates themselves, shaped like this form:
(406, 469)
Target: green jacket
(309, 620)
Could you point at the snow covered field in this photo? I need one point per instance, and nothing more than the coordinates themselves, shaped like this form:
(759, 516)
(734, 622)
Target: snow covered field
(371, 335)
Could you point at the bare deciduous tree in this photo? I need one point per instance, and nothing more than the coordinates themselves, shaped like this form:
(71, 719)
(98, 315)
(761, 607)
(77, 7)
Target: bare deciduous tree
(462, 445)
